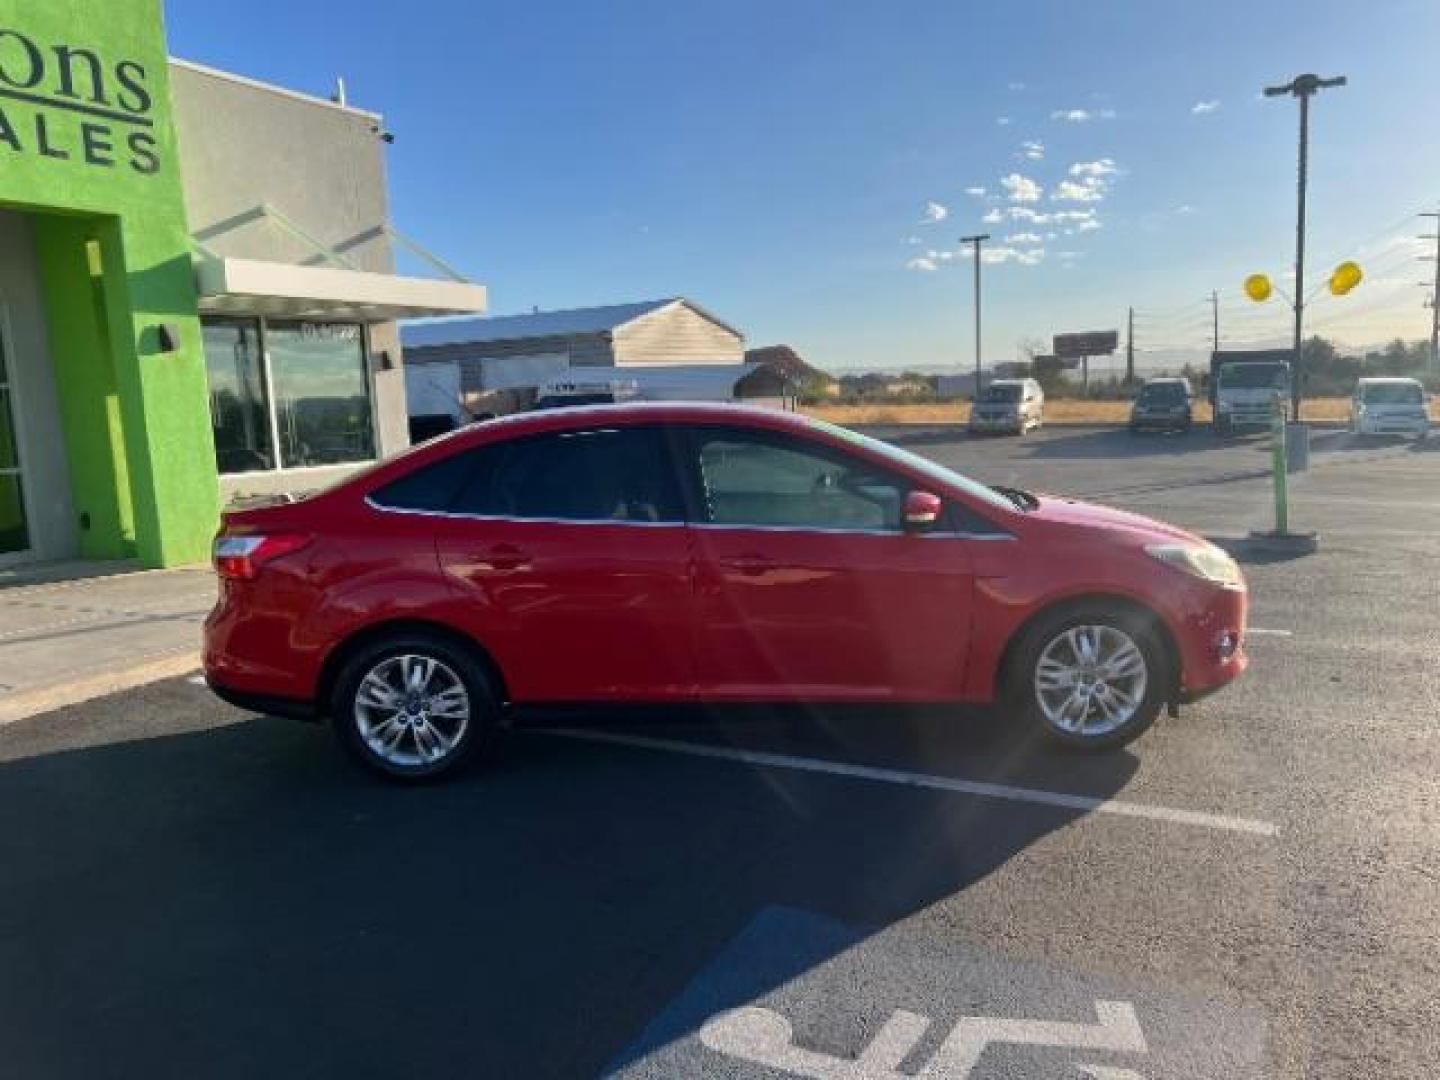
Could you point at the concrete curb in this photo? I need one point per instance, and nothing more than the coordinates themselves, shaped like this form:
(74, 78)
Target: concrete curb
(43, 699)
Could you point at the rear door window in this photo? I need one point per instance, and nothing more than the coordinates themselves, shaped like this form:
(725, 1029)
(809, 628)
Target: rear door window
(623, 474)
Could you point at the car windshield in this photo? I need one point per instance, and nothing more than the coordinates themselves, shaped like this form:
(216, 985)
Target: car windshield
(1393, 394)
(1001, 394)
(1252, 376)
(1163, 394)
(923, 465)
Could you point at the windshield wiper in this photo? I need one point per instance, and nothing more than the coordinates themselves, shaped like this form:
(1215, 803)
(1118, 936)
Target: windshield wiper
(1022, 499)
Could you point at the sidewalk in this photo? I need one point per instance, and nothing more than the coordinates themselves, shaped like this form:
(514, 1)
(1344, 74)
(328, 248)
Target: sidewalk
(76, 630)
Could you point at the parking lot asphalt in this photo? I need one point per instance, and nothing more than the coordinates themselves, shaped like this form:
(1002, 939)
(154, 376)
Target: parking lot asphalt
(1248, 890)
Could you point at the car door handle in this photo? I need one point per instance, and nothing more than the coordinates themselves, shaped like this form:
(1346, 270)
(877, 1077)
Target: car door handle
(749, 565)
(505, 557)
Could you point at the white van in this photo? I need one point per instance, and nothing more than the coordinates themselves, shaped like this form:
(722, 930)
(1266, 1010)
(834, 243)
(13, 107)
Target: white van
(1390, 407)
(1013, 405)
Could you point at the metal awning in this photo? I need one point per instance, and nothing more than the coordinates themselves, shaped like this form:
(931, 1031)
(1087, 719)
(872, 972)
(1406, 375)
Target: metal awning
(285, 291)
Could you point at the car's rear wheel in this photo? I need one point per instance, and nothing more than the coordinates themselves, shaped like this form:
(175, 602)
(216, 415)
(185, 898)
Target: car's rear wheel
(1091, 677)
(414, 706)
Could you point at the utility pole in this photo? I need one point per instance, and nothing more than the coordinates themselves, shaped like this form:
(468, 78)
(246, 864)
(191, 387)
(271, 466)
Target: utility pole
(1303, 88)
(1434, 296)
(1215, 317)
(1130, 346)
(975, 242)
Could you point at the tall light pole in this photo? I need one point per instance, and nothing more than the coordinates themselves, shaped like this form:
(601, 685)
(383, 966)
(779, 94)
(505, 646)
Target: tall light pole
(1302, 87)
(1434, 296)
(1215, 316)
(975, 242)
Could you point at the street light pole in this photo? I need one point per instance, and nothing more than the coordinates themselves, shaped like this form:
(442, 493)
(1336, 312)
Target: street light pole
(1434, 296)
(975, 242)
(1303, 87)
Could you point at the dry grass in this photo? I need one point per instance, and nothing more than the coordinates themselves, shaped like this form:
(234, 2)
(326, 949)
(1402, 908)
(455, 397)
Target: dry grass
(1057, 411)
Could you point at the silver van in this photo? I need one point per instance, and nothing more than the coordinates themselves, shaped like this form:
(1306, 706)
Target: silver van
(1009, 405)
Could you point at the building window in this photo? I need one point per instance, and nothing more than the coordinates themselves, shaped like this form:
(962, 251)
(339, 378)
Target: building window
(304, 386)
(239, 405)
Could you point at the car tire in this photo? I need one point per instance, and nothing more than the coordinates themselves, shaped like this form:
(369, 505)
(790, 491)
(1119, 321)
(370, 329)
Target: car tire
(424, 731)
(1124, 638)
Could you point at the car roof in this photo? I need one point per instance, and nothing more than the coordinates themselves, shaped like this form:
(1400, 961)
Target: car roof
(567, 417)
(1377, 380)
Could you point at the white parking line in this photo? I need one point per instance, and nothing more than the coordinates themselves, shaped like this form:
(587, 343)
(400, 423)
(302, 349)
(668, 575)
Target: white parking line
(1168, 814)
(1266, 632)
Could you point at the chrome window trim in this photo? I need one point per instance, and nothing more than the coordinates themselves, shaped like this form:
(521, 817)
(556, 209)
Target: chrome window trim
(382, 508)
(830, 531)
(504, 518)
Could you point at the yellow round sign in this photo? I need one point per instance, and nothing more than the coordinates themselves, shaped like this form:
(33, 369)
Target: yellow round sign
(1257, 287)
(1346, 276)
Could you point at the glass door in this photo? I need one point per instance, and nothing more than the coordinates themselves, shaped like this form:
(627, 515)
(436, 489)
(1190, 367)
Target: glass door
(14, 535)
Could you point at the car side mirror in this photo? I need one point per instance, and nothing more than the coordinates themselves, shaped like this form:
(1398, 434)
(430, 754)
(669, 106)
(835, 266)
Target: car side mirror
(922, 511)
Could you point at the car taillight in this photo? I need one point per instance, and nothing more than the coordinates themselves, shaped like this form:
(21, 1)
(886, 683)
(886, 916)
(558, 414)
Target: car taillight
(240, 558)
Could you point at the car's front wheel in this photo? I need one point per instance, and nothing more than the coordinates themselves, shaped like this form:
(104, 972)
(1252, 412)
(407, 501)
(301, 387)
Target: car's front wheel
(1090, 677)
(414, 706)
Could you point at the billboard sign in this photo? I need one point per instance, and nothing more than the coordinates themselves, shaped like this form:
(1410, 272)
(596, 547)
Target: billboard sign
(1093, 343)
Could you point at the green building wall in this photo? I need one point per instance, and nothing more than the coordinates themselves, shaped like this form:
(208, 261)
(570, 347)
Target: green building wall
(87, 146)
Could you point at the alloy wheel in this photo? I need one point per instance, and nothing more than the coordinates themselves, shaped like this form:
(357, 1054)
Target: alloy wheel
(1090, 680)
(412, 710)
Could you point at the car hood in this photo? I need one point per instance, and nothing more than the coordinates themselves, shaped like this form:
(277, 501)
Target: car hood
(1092, 517)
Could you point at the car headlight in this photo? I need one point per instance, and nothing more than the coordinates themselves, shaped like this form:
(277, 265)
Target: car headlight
(1206, 562)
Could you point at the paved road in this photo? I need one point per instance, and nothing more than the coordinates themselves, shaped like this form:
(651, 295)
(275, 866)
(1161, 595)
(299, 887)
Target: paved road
(1249, 890)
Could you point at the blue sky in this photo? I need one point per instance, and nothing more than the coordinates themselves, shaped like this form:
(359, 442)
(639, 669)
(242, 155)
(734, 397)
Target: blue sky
(777, 160)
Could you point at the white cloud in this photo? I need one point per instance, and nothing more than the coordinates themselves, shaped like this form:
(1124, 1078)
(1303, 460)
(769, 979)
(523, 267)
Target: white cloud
(1200, 108)
(1085, 191)
(1088, 225)
(993, 217)
(922, 264)
(1092, 181)
(935, 212)
(1100, 167)
(1082, 116)
(1032, 150)
(913, 240)
(1043, 217)
(1184, 208)
(1021, 188)
(1015, 84)
(977, 191)
(1003, 121)
(1023, 238)
(1003, 254)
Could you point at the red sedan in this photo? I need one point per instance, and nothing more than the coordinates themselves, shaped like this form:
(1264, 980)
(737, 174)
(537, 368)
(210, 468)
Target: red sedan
(662, 553)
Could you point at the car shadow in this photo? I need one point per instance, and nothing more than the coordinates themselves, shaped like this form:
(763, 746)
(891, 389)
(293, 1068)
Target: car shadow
(1347, 442)
(240, 900)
